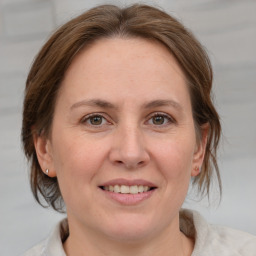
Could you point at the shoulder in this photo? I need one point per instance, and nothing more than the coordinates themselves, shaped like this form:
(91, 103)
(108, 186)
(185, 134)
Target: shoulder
(52, 246)
(37, 250)
(233, 241)
(214, 240)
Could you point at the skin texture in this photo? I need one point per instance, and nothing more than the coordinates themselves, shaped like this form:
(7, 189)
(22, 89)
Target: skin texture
(129, 84)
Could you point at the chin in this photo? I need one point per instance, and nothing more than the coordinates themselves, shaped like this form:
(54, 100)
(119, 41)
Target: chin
(130, 229)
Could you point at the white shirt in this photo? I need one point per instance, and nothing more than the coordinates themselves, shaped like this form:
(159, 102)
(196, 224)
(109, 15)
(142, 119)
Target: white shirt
(210, 240)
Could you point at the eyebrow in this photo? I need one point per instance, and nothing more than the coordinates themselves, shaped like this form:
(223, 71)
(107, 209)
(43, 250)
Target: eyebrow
(162, 103)
(93, 103)
(105, 104)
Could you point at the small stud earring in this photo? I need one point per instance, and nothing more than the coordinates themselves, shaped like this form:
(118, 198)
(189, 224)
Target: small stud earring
(47, 171)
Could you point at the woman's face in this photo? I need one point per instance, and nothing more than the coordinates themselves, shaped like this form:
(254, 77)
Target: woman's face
(123, 122)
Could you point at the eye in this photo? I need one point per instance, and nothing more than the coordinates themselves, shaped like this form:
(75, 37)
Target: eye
(94, 120)
(160, 119)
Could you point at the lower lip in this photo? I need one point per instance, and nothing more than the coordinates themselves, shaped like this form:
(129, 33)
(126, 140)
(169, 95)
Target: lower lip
(129, 199)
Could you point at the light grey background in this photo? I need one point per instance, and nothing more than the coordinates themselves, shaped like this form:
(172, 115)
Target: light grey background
(226, 28)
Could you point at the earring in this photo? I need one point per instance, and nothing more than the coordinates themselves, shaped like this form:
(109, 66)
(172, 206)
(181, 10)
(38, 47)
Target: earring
(47, 171)
(197, 169)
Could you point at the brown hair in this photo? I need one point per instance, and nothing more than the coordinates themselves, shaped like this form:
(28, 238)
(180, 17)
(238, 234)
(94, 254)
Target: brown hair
(142, 21)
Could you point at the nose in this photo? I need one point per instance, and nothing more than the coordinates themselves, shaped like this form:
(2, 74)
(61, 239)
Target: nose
(129, 149)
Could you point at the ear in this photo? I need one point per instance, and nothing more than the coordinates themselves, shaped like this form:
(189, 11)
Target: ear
(44, 154)
(199, 152)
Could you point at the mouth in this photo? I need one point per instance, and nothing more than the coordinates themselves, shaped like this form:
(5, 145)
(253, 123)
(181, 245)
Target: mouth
(126, 189)
(128, 192)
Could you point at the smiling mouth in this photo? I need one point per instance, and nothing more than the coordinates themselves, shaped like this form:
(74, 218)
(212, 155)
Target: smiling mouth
(124, 189)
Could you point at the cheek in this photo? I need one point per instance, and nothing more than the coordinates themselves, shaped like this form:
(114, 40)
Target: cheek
(77, 161)
(77, 157)
(175, 158)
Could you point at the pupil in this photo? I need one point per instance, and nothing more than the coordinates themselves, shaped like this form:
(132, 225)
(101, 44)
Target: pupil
(158, 120)
(96, 120)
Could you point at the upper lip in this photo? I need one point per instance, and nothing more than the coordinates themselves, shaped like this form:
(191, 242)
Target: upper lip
(128, 182)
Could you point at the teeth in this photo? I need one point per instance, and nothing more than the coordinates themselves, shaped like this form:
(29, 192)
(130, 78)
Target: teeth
(123, 189)
(141, 188)
(117, 189)
(134, 189)
(106, 188)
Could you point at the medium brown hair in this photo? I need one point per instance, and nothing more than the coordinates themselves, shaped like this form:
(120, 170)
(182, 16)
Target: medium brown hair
(108, 21)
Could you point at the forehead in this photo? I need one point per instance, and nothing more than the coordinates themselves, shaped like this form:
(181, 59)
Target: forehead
(129, 67)
(125, 51)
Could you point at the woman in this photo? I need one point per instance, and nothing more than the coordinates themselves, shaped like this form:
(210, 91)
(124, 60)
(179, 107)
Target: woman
(117, 119)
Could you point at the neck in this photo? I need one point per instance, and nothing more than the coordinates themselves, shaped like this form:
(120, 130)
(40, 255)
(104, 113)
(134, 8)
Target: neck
(87, 242)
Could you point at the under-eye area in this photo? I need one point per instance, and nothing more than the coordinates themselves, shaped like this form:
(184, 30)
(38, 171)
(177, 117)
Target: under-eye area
(124, 189)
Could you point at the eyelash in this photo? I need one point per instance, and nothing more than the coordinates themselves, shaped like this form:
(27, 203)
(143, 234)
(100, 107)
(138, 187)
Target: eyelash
(86, 119)
(165, 116)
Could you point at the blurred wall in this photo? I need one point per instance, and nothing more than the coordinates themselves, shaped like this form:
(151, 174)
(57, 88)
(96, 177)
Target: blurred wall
(228, 30)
